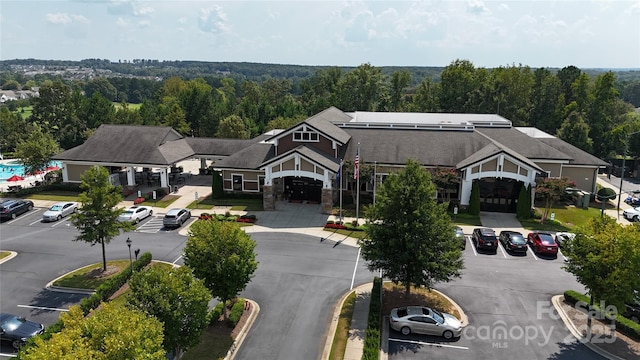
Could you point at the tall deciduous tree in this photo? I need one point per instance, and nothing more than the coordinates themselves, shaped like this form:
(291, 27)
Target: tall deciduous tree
(575, 131)
(222, 255)
(605, 258)
(361, 89)
(410, 236)
(232, 127)
(546, 101)
(36, 150)
(111, 332)
(399, 82)
(551, 190)
(52, 107)
(177, 299)
(97, 220)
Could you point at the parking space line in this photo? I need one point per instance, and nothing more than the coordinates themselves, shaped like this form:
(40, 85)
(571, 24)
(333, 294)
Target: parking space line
(429, 344)
(35, 222)
(502, 249)
(61, 221)
(561, 254)
(473, 247)
(42, 308)
(533, 253)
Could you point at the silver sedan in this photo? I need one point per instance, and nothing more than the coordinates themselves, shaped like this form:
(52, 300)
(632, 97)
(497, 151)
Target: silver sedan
(59, 210)
(424, 320)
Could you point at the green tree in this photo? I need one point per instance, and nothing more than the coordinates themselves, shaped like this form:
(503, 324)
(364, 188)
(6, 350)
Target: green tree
(523, 210)
(575, 131)
(52, 107)
(427, 97)
(111, 332)
(461, 87)
(400, 80)
(545, 101)
(222, 255)
(97, 221)
(605, 258)
(551, 190)
(175, 118)
(232, 127)
(362, 89)
(284, 123)
(36, 150)
(177, 299)
(446, 181)
(512, 87)
(217, 191)
(11, 85)
(102, 86)
(474, 199)
(410, 236)
(13, 128)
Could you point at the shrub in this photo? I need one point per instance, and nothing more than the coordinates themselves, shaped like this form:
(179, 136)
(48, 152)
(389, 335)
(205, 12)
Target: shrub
(215, 313)
(474, 201)
(623, 324)
(139, 200)
(371, 349)
(227, 214)
(236, 312)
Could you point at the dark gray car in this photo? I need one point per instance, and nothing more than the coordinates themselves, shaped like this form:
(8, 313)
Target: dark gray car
(17, 329)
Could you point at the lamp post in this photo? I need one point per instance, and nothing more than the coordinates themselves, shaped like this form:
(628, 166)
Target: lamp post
(624, 158)
(130, 260)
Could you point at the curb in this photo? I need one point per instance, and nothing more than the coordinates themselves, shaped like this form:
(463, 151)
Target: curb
(11, 255)
(556, 300)
(231, 354)
(463, 317)
(331, 332)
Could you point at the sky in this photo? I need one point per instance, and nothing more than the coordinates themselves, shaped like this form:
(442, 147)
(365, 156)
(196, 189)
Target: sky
(586, 34)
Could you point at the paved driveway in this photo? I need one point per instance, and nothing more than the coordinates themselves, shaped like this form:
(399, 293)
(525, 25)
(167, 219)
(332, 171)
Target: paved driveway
(508, 302)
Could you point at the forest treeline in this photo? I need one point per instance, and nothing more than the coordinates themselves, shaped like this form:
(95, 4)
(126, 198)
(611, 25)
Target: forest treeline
(593, 110)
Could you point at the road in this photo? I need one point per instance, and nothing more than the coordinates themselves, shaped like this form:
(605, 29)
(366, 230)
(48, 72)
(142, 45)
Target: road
(297, 284)
(508, 301)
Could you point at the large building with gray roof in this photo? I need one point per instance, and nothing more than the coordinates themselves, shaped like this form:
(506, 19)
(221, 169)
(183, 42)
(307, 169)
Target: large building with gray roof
(301, 163)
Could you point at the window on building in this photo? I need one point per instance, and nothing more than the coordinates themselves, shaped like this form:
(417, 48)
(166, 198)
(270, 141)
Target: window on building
(237, 182)
(305, 136)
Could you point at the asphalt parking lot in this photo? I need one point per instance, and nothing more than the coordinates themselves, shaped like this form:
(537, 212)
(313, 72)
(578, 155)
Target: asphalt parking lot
(507, 299)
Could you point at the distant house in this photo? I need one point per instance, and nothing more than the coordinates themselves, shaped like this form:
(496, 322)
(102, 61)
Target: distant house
(301, 163)
(12, 95)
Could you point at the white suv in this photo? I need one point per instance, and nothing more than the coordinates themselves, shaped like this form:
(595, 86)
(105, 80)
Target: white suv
(632, 214)
(176, 217)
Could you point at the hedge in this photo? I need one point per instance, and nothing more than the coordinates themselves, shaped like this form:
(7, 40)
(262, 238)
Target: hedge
(623, 324)
(371, 349)
(102, 294)
(234, 315)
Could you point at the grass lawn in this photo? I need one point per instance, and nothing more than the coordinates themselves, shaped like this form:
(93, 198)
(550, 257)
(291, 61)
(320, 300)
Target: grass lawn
(214, 343)
(393, 296)
(90, 277)
(129, 106)
(4, 254)
(566, 217)
(235, 204)
(25, 112)
(341, 336)
(165, 202)
(55, 196)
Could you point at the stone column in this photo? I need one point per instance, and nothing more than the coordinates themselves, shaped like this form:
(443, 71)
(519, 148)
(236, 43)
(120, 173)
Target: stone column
(327, 201)
(268, 201)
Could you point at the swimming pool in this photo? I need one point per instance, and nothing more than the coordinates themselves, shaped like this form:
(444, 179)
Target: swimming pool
(9, 169)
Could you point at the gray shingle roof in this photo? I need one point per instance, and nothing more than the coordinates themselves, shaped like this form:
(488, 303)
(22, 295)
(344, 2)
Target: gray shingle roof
(525, 145)
(250, 157)
(224, 147)
(578, 156)
(126, 144)
(431, 148)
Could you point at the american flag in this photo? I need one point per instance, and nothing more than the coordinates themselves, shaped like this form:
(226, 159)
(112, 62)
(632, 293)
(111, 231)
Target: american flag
(356, 165)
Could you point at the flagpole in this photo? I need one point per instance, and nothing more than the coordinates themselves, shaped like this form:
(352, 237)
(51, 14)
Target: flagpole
(358, 187)
(375, 166)
(340, 180)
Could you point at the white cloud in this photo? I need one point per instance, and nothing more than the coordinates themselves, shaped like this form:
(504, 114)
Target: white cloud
(66, 19)
(121, 22)
(213, 20)
(477, 7)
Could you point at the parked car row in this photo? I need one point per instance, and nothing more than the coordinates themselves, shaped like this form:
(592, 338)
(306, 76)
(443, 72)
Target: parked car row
(12, 208)
(540, 242)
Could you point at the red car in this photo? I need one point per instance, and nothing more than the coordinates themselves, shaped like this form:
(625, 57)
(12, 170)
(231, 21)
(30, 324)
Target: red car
(542, 243)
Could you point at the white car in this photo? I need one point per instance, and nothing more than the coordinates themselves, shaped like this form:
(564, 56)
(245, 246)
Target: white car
(135, 213)
(59, 210)
(632, 214)
(424, 320)
(562, 237)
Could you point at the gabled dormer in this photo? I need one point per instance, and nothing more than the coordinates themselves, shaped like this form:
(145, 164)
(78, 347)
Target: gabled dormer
(318, 132)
